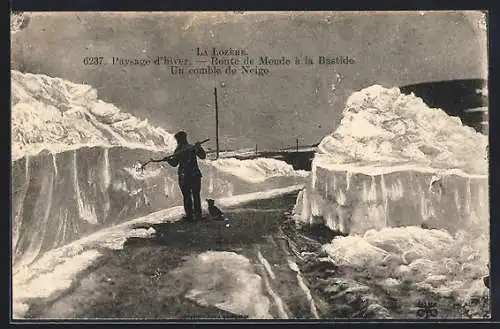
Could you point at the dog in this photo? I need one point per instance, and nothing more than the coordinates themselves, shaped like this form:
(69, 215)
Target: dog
(214, 212)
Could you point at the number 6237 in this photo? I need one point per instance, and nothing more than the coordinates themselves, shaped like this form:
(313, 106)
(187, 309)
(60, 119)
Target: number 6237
(93, 60)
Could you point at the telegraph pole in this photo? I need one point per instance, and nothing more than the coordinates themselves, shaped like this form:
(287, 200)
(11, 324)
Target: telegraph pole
(216, 124)
(297, 144)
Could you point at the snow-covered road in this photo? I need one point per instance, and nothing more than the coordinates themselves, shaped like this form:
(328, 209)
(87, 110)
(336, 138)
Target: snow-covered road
(157, 267)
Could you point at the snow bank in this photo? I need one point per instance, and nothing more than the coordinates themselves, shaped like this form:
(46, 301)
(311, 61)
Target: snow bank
(409, 184)
(75, 161)
(58, 198)
(425, 261)
(57, 115)
(393, 161)
(354, 200)
(381, 125)
(257, 170)
(18, 21)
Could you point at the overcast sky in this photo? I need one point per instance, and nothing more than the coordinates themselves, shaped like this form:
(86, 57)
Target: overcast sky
(390, 49)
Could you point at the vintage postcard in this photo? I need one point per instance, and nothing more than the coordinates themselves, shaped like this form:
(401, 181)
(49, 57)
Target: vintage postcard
(250, 165)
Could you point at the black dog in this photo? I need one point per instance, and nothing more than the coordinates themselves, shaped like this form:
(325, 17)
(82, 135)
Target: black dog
(214, 212)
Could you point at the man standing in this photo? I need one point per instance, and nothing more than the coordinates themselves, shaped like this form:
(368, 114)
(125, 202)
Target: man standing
(189, 173)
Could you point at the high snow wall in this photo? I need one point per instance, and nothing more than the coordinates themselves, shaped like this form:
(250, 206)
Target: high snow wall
(408, 184)
(58, 198)
(393, 161)
(74, 166)
(57, 115)
(354, 200)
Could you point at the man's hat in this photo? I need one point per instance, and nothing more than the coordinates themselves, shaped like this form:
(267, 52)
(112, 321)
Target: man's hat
(180, 136)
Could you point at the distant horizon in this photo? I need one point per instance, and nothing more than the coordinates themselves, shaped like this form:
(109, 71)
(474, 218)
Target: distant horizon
(249, 149)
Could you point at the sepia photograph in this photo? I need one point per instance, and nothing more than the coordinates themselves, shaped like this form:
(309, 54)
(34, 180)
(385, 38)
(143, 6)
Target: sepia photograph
(240, 165)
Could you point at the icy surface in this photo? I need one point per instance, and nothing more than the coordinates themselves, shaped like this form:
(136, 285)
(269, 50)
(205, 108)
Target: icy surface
(56, 115)
(381, 125)
(226, 280)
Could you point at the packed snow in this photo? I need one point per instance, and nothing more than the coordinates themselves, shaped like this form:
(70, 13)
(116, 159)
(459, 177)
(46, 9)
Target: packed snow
(226, 280)
(90, 177)
(427, 261)
(56, 115)
(382, 125)
(409, 184)
(54, 272)
(257, 170)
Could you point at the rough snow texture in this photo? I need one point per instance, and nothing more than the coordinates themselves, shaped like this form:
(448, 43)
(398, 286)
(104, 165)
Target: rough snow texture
(57, 115)
(427, 262)
(393, 161)
(17, 21)
(384, 126)
(257, 170)
(409, 185)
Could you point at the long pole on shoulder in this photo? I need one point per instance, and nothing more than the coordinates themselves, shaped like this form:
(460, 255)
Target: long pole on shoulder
(174, 154)
(216, 124)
